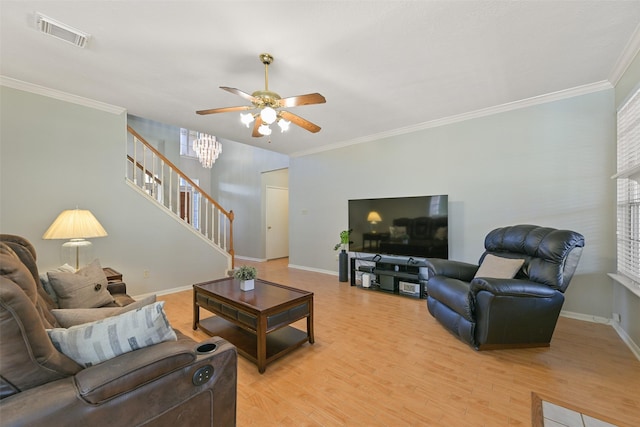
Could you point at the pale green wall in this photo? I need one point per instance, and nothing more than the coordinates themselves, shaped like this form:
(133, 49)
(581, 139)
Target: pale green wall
(547, 164)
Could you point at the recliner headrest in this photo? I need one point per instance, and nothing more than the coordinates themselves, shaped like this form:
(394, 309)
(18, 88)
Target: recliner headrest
(550, 255)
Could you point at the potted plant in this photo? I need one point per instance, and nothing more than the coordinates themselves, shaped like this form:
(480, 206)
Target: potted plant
(344, 240)
(343, 258)
(246, 274)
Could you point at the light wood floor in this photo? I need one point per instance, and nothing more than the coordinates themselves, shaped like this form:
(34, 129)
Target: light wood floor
(382, 360)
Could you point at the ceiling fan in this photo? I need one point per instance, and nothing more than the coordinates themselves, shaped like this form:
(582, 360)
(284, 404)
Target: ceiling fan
(270, 106)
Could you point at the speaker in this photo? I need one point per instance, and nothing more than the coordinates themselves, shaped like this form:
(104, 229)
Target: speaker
(387, 282)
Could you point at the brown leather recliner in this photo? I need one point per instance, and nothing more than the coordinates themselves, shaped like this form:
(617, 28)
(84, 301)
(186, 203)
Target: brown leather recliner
(173, 383)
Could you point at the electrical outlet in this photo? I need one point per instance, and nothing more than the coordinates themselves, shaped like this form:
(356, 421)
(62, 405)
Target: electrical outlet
(616, 317)
(146, 274)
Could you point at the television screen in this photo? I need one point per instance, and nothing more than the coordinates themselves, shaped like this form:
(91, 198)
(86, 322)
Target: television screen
(411, 226)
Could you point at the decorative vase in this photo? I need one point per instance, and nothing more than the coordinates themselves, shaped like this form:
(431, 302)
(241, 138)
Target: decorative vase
(343, 259)
(247, 285)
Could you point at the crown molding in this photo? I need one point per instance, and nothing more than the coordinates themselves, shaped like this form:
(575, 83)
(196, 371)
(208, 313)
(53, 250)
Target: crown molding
(510, 106)
(626, 58)
(62, 96)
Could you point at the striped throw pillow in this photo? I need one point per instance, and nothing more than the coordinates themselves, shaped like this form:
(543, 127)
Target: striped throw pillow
(92, 343)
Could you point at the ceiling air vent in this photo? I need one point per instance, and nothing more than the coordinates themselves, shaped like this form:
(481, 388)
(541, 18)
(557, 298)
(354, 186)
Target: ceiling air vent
(61, 31)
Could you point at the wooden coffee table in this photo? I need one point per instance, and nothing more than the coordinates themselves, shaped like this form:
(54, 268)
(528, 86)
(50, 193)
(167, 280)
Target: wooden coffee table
(257, 322)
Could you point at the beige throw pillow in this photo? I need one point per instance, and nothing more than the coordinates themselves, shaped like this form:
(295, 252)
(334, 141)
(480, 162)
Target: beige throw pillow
(498, 267)
(68, 317)
(44, 279)
(87, 288)
(92, 343)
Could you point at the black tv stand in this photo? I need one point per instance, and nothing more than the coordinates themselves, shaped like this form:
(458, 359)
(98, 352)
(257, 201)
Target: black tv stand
(394, 274)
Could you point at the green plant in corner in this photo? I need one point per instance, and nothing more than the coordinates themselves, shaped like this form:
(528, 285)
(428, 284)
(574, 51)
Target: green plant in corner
(344, 240)
(245, 272)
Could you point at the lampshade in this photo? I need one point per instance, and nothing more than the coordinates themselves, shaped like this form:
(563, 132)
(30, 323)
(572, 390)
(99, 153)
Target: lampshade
(75, 224)
(373, 217)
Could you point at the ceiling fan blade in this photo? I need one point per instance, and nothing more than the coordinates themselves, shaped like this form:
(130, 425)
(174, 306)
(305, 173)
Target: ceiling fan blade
(225, 110)
(308, 99)
(256, 125)
(303, 123)
(238, 92)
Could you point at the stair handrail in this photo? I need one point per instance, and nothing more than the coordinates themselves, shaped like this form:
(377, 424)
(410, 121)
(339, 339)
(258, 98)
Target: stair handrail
(229, 214)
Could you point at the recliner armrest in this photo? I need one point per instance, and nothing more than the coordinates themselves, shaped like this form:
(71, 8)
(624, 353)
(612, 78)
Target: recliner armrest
(130, 370)
(453, 269)
(117, 392)
(512, 287)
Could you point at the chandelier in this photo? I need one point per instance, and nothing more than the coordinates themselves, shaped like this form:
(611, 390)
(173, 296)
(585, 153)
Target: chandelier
(208, 148)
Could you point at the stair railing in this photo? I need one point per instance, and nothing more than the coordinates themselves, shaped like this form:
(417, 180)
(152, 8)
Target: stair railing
(165, 183)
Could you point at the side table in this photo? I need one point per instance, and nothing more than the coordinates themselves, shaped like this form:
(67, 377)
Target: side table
(112, 275)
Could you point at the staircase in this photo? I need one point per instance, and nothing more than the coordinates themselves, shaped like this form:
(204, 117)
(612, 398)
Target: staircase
(161, 181)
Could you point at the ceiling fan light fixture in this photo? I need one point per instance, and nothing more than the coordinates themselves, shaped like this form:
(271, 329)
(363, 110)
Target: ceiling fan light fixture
(269, 107)
(268, 115)
(284, 125)
(246, 119)
(264, 129)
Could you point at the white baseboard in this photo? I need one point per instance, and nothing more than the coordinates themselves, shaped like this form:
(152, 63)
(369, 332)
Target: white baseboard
(163, 292)
(627, 339)
(585, 317)
(246, 258)
(315, 270)
(615, 325)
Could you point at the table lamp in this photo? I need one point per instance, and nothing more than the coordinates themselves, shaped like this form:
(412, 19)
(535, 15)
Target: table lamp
(76, 225)
(373, 218)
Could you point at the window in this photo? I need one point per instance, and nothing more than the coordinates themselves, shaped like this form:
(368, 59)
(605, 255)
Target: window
(628, 182)
(186, 143)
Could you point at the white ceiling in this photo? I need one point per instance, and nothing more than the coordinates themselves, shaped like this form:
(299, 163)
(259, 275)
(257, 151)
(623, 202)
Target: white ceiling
(383, 66)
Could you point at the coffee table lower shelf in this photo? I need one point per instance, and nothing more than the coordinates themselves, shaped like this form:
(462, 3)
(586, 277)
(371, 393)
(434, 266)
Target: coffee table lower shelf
(279, 342)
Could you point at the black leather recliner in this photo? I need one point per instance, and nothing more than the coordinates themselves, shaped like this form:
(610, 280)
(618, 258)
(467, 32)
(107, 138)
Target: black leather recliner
(489, 313)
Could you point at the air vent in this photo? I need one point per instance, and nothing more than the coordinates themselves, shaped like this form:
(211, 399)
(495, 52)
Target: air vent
(61, 31)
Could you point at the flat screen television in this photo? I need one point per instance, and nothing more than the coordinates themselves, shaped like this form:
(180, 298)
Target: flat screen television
(406, 226)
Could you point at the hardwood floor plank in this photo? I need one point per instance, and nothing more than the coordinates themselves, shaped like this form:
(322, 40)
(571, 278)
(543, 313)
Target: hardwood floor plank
(382, 360)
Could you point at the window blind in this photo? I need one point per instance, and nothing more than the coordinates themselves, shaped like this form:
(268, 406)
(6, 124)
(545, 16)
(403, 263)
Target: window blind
(628, 194)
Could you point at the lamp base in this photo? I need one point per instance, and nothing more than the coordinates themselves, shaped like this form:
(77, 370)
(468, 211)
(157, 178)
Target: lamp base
(77, 253)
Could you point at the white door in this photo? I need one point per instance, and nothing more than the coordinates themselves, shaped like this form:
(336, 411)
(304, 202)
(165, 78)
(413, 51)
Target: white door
(277, 220)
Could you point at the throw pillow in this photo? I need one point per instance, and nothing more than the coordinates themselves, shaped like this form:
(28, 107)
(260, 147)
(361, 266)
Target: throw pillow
(86, 288)
(498, 267)
(92, 343)
(68, 317)
(44, 279)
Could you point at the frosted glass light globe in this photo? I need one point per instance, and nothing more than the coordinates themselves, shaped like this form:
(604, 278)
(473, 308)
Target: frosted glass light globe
(268, 115)
(264, 129)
